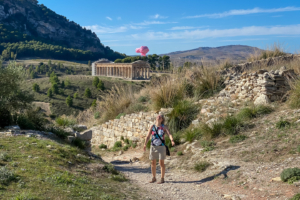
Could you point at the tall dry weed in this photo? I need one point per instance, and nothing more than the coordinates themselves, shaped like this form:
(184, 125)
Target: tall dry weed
(274, 50)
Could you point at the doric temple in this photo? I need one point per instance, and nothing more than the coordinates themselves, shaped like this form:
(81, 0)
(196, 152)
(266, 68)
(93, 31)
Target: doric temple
(138, 70)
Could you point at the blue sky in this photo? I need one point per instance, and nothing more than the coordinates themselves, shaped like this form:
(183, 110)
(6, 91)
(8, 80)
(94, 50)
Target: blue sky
(166, 26)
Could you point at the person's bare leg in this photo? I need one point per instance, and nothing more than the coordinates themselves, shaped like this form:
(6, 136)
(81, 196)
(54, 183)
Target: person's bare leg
(153, 168)
(162, 168)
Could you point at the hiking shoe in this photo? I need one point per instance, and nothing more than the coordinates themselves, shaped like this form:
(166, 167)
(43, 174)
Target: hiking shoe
(162, 180)
(153, 180)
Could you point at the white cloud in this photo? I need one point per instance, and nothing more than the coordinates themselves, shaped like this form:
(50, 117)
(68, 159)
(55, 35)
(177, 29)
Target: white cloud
(219, 33)
(109, 29)
(185, 27)
(145, 23)
(246, 12)
(109, 18)
(158, 16)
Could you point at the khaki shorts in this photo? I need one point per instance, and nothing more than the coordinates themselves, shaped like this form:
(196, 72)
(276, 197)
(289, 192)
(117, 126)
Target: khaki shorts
(157, 153)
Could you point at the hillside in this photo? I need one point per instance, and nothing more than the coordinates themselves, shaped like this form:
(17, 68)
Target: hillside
(232, 52)
(26, 20)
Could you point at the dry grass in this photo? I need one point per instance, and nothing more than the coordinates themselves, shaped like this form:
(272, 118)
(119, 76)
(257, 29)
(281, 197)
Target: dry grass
(274, 50)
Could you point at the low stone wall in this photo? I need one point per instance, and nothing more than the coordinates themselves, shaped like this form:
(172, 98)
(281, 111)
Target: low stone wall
(261, 86)
(132, 126)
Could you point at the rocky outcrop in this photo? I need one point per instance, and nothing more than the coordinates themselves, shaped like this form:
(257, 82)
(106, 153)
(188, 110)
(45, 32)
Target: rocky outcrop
(37, 21)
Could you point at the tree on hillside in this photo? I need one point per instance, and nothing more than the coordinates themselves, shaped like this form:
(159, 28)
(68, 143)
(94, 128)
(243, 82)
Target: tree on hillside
(36, 87)
(54, 88)
(94, 104)
(89, 63)
(100, 85)
(62, 85)
(69, 101)
(49, 93)
(5, 55)
(160, 62)
(12, 97)
(33, 75)
(49, 63)
(166, 62)
(53, 78)
(96, 81)
(12, 55)
(152, 59)
(75, 95)
(88, 93)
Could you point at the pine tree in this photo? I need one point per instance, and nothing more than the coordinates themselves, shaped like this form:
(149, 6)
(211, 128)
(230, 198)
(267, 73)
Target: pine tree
(69, 101)
(49, 93)
(54, 88)
(100, 85)
(88, 93)
(62, 84)
(36, 87)
(96, 81)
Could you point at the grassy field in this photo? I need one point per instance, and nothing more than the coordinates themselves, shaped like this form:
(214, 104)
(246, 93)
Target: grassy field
(79, 83)
(32, 168)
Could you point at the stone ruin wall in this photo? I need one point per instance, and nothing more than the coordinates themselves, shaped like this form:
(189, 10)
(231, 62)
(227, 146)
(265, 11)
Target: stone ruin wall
(261, 86)
(132, 126)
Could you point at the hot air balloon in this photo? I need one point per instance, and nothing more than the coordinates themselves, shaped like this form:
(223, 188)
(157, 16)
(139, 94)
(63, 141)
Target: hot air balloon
(143, 50)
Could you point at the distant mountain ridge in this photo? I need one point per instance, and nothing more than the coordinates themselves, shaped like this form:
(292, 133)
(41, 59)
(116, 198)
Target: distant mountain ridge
(26, 20)
(233, 52)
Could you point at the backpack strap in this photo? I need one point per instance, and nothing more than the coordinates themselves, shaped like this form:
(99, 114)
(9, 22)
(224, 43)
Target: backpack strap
(162, 141)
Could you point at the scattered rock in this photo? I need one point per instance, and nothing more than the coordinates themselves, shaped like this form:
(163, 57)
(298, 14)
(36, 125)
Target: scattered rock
(262, 100)
(276, 179)
(86, 135)
(120, 153)
(69, 130)
(81, 127)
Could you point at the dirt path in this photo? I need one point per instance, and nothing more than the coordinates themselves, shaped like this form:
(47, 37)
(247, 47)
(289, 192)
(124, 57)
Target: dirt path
(177, 185)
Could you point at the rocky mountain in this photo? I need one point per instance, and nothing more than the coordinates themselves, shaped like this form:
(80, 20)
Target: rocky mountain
(234, 52)
(24, 20)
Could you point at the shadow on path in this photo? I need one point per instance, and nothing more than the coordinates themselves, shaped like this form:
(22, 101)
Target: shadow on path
(224, 172)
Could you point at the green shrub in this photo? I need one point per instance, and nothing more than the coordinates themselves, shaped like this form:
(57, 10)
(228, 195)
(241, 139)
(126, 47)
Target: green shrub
(126, 141)
(75, 96)
(4, 156)
(78, 143)
(207, 145)
(201, 166)
(120, 115)
(231, 125)
(289, 173)
(295, 197)
(5, 117)
(97, 115)
(118, 144)
(142, 99)
(134, 145)
(109, 168)
(36, 87)
(122, 138)
(179, 153)
(125, 148)
(103, 146)
(298, 149)
(237, 138)
(30, 120)
(282, 124)
(293, 179)
(88, 93)
(57, 131)
(253, 112)
(211, 131)
(6, 176)
(183, 113)
(69, 101)
(191, 134)
(64, 121)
